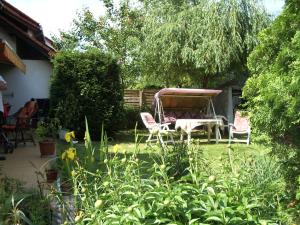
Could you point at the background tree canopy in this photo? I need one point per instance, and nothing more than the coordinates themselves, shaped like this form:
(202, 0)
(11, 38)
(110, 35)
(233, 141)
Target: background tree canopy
(168, 43)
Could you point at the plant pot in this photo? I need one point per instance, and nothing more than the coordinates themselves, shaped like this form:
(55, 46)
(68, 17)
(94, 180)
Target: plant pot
(51, 175)
(66, 187)
(47, 148)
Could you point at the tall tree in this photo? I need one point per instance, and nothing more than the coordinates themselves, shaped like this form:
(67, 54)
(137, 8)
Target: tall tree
(168, 42)
(199, 40)
(117, 32)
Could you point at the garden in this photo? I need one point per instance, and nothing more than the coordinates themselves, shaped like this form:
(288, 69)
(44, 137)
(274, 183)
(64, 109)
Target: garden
(108, 174)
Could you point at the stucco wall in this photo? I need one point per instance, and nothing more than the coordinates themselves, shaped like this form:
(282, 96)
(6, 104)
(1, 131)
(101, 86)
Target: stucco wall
(23, 87)
(10, 39)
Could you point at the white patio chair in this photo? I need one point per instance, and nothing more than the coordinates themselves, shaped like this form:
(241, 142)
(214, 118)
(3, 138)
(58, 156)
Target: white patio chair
(157, 131)
(241, 126)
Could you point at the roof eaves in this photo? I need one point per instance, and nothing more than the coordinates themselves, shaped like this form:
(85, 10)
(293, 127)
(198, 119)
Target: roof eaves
(45, 49)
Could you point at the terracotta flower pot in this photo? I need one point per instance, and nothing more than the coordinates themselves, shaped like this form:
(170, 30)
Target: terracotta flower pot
(47, 147)
(51, 175)
(66, 187)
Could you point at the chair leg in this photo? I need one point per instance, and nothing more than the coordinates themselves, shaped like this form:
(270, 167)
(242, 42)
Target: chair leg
(161, 140)
(230, 136)
(248, 139)
(149, 137)
(16, 138)
(172, 139)
(31, 137)
(23, 139)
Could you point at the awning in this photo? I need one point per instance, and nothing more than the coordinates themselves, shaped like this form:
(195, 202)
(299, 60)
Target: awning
(185, 98)
(8, 56)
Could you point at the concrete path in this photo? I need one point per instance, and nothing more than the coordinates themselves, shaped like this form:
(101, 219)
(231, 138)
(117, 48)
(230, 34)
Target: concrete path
(19, 164)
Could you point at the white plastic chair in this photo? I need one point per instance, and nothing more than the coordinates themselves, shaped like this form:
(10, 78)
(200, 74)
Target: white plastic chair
(241, 126)
(156, 131)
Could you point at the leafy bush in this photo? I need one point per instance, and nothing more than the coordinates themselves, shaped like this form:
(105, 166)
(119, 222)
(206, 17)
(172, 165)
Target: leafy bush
(132, 118)
(272, 91)
(86, 84)
(125, 189)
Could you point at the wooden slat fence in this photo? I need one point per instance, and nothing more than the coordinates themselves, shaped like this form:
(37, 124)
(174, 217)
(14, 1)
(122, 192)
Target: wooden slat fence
(139, 98)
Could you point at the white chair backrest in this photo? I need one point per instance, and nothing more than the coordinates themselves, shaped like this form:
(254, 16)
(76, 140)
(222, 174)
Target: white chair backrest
(148, 120)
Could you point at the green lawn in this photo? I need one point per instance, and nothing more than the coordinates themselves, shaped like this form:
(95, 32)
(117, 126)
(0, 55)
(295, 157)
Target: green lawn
(212, 151)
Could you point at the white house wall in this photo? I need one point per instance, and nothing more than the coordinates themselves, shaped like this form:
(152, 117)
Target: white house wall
(23, 87)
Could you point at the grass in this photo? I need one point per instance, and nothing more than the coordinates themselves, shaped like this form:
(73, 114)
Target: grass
(211, 151)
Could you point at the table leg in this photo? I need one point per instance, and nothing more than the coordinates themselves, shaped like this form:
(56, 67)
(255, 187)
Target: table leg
(181, 135)
(217, 133)
(189, 137)
(208, 132)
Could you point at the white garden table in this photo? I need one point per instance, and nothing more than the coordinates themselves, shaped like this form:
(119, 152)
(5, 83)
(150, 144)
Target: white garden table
(187, 125)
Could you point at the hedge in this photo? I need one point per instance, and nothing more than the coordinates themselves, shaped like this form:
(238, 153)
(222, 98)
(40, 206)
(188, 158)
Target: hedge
(86, 84)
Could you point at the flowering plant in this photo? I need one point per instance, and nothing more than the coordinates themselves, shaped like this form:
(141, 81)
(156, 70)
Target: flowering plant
(68, 158)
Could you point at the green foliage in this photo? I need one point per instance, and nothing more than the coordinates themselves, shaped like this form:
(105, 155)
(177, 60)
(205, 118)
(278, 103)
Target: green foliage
(86, 83)
(192, 42)
(273, 89)
(118, 33)
(126, 189)
(170, 43)
(132, 118)
(20, 206)
(47, 128)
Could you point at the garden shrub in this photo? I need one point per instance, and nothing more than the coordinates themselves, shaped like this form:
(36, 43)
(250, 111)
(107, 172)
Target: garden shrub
(132, 118)
(86, 83)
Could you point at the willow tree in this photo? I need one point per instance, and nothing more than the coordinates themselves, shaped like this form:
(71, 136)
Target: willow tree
(193, 42)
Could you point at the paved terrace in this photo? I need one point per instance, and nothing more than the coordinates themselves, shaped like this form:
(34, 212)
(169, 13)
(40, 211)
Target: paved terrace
(19, 164)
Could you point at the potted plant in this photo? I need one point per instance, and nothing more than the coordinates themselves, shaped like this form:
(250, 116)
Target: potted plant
(51, 173)
(46, 132)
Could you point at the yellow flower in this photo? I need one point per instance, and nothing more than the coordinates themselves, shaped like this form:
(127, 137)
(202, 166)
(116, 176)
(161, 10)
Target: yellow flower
(98, 203)
(64, 156)
(116, 148)
(69, 154)
(69, 136)
(73, 173)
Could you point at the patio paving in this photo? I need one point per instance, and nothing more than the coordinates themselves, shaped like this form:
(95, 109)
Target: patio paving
(19, 164)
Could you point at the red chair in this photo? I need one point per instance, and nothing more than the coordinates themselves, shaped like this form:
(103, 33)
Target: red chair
(23, 123)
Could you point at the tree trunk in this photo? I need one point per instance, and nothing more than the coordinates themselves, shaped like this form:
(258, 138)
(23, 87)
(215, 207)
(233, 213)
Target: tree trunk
(205, 81)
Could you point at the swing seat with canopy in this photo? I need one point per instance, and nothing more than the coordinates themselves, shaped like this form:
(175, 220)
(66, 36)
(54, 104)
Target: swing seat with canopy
(187, 108)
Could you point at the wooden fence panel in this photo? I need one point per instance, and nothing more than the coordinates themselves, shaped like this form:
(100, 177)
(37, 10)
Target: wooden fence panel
(132, 98)
(148, 96)
(139, 98)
